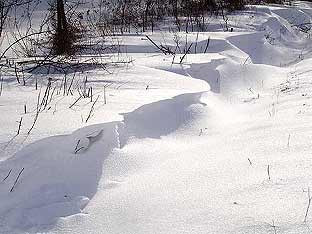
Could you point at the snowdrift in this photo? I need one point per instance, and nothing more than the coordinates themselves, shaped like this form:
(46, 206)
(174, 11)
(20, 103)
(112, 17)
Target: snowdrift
(56, 177)
(225, 160)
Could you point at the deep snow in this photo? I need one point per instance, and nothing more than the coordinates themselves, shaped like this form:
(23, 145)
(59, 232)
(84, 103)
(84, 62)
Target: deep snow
(218, 144)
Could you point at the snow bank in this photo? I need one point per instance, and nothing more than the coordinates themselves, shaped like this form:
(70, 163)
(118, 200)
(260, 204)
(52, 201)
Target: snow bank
(59, 177)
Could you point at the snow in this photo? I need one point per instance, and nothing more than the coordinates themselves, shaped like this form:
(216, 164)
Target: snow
(217, 144)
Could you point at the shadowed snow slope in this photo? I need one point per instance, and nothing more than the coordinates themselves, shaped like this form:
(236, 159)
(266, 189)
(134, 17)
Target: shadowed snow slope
(61, 173)
(60, 176)
(147, 121)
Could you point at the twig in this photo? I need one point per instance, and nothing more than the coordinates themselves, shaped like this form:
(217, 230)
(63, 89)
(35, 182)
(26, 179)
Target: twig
(186, 52)
(77, 145)
(71, 83)
(7, 175)
(165, 50)
(1, 85)
(274, 227)
(92, 108)
(308, 207)
(51, 96)
(105, 95)
(195, 49)
(65, 84)
(246, 60)
(37, 114)
(77, 100)
(19, 126)
(78, 149)
(16, 74)
(207, 45)
(23, 76)
(15, 182)
(153, 43)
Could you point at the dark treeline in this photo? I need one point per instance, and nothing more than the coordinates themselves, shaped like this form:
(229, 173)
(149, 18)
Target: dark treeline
(66, 23)
(143, 14)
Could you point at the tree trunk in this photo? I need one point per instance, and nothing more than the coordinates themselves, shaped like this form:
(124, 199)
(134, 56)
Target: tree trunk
(61, 18)
(63, 41)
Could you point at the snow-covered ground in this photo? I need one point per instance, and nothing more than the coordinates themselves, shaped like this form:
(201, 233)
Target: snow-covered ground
(220, 143)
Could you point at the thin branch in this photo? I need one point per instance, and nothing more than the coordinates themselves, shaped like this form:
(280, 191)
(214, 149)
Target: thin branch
(92, 108)
(186, 52)
(20, 39)
(15, 182)
(7, 175)
(308, 207)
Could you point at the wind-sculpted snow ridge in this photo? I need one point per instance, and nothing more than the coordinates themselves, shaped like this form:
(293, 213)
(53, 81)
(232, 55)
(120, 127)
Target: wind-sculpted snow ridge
(57, 176)
(279, 32)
